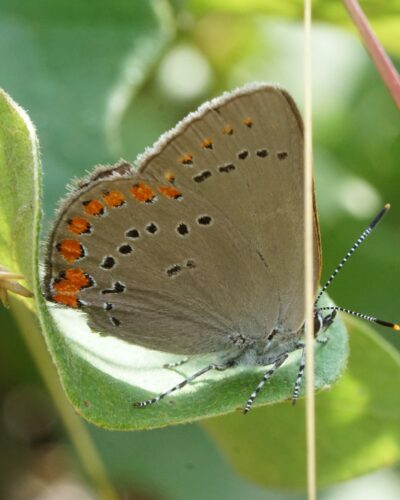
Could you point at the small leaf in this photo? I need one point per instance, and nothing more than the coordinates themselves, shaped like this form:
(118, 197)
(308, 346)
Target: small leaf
(20, 190)
(358, 424)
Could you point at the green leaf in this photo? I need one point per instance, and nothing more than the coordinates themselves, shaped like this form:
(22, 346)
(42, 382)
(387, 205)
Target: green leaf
(20, 190)
(358, 424)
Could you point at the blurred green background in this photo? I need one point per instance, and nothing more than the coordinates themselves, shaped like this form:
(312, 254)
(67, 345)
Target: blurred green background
(101, 81)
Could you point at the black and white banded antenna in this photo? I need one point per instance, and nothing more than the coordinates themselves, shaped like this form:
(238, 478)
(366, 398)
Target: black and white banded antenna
(360, 240)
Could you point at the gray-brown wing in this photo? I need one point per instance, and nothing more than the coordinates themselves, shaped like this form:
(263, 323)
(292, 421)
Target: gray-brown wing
(203, 243)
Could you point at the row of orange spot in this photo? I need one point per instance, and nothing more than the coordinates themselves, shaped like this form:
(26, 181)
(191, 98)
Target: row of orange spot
(68, 285)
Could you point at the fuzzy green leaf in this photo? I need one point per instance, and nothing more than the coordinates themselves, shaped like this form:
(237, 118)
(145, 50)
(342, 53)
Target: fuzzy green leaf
(20, 188)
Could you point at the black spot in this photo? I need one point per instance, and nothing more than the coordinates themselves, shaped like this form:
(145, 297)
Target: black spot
(125, 249)
(174, 270)
(182, 229)
(115, 321)
(132, 233)
(151, 228)
(107, 306)
(281, 155)
(204, 220)
(90, 281)
(118, 287)
(262, 153)
(202, 176)
(226, 168)
(190, 263)
(243, 154)
(108, 262)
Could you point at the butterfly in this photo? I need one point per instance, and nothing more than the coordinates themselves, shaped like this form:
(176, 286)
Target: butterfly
(198, 249)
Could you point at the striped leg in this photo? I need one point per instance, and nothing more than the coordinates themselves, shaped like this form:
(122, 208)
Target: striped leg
(177, 363)
(300, 373)
(212, 366)
(299, 377)
(267, 375)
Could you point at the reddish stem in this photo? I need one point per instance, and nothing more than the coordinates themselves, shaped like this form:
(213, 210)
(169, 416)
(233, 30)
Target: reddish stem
(378, 54)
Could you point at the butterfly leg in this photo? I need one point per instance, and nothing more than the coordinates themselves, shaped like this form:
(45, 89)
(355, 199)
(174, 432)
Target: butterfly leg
(299, 377)
(213, 366)
(328, 320)
(267, 375)
(177, 363)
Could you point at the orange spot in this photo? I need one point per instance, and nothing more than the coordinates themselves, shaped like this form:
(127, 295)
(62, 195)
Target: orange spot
(142, 192)
(78, 278)
(396, 327)
(72, 281)
(68, 285)
(169, 176)
(186, 159)
(71, 250)
(93, 207)
(207, 143)
(67, 300)
(114, 199)
(170, 192)
(227, 130)
(79, 226)
(248, 121)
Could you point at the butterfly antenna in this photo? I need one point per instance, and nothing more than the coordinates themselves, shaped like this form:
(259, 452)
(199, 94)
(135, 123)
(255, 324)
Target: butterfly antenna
(372, 319)
(363, 236)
